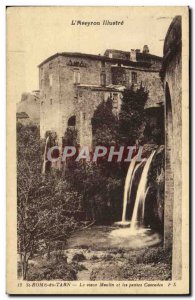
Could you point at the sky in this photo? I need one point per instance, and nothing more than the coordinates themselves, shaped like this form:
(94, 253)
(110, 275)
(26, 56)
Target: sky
(35, 33)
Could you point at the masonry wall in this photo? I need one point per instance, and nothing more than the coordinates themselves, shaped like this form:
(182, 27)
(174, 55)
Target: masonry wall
(30, 104)
(173, 179)
(61, 98)
(49, 83)
(87, 102)
(150, 80)
(72, 96)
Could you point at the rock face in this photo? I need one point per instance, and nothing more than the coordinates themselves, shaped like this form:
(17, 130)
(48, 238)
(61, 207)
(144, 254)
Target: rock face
(29, 106)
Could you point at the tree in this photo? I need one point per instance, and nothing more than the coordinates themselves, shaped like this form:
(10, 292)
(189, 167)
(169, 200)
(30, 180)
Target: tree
(44, 220)
(132, 115)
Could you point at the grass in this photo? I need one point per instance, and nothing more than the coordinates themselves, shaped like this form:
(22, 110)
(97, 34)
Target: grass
(55, 268)
(144, 264)
(113, 264)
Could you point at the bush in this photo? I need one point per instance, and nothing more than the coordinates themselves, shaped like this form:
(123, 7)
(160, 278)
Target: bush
(79, 267)
(108, 257)
(94, 257)
(79, 257)
(155, 255)
(52, 270)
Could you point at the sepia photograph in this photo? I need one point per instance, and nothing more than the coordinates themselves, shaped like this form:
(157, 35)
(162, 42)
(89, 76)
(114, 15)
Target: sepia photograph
(97, 120)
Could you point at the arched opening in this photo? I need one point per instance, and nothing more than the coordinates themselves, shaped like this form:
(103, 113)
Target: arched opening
(72, 121)
(70, 134)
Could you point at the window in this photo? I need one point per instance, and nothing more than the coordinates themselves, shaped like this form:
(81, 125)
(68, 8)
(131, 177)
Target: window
(127, 79)
(110, 54)
(134, 77)
(76, 76)
(50, 80)
(42, 83)
(115, 100)
(51, 101)
(50, 65)
(103, 79)
(72, 121)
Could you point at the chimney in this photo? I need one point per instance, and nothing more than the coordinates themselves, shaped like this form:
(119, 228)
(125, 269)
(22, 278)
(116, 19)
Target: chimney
(133, 55)
(110, 54)
(146, 49)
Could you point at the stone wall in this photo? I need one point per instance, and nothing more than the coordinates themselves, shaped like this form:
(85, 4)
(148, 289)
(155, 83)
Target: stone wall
(49, 96)
(172, 75)
(63, 92)
(87, 102)
(149, 79)
(30, 104)
(74, 85)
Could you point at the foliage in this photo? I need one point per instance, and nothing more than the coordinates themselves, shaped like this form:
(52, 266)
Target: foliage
(52, 270)
(44, 204)
(101, 184)
(154, 129)
(155, 255)
(132, 115)
(70, 137)
(101, 192)
(78, 257)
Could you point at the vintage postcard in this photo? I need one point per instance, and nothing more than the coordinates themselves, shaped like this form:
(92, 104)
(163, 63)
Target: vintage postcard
(98, 150)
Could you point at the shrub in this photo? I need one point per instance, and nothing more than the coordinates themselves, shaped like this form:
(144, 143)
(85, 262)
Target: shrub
(94, 257)
(78, 257)
(108, 257)
(155, 255)
(52, 270)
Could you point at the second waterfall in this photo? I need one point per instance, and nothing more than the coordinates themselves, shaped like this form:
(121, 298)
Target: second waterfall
(137, 219)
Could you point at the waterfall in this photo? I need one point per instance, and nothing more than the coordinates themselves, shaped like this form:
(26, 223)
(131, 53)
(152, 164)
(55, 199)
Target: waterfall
(128, 183)
(45, 155)
(145, 195)
(133, 175)
(141, 195)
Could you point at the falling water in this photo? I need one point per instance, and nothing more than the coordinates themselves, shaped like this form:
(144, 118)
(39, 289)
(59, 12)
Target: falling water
(141, 195)
(145, 195)
(133, 175)
(45, 156)
(128, 182)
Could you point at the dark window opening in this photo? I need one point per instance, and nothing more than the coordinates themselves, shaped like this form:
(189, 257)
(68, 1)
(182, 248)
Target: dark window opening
(72, 121)
(115, 100)
(103, 79)
(134, 77)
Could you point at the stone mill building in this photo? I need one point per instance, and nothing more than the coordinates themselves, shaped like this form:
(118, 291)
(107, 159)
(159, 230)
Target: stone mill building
(72, 85)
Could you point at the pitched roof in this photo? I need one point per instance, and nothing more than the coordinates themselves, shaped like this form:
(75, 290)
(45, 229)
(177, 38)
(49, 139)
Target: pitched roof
(143, 59)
